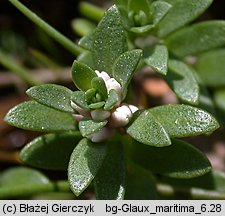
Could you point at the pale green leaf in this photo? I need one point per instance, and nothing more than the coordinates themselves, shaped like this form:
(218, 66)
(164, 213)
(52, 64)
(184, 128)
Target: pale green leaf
(142, 29)
(51, 151)
(88, 126)
(33, 116)
(52, 95)
(146, 129)
(140, 5)
(20, 176)
(211, 68)
(99, 84)
(113, 98)
(82, 75)
(85, 161)
(158, 61)
(125, 66)
(110, 40)
(158, 10)
(197, 38)
(97, 105)
(86, 58)
(181, 13)
(181, 78)
(184, 120)
(78, 97)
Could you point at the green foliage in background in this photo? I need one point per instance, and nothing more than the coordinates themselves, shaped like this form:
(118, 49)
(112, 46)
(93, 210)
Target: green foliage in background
(96, 135)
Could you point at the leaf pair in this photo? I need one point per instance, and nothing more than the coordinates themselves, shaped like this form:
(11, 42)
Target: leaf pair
(155, 126)
(179, 76)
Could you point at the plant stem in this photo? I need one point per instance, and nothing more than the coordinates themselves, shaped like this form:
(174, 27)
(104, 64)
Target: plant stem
(190, 193)
(14, 67)
(33, 189)
(91, 11)
(60, 38)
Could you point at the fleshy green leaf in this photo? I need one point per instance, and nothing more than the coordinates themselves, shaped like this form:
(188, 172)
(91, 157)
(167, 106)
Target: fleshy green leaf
(139, 5)
(110, 40)
(159, 59)
(181, 13)
(33, 116)
(179, 160)
(88, 126)
(89, 94)
(197, 38)
(97, 105)
(140, 184)
(110, 181)
(113, 98)
(142, 29)
(146, 129)
(211, 68)
(87, 41)
(99, 84)
(214, 180)
(82, 75)
(184, 120)
(19, 176)
(78, 97)
(85, 161)
(158, 10)
(52, 95)
(86, 58)
(125, 66)
(51, 151)
(181, 79)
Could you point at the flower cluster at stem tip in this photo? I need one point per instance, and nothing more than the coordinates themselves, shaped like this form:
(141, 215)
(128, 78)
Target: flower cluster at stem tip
(118, 116)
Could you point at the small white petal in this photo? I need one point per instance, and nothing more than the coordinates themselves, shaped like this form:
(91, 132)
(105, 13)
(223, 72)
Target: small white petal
(103, 75)
(113, 84)
(97, 72)
(133, 108)
(121, 116)
(102, 135)
(100, 115)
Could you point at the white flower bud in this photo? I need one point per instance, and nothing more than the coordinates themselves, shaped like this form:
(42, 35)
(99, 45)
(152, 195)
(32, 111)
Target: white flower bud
(133, 108)
(100, 115)
(113, 84)
(121, 116)
(103, 75)
(102, 135)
